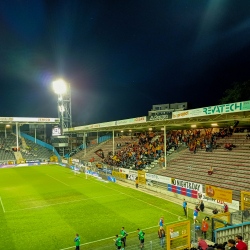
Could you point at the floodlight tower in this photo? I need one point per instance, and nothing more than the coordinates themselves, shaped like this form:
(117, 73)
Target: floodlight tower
(62, 89)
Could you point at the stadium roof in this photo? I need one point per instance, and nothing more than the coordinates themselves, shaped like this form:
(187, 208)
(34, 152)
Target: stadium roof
(28, 120)
(222, 115)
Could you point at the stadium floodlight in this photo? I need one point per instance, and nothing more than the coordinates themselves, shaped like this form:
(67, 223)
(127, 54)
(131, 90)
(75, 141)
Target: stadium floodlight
(7, 125)
(60, 87)
(122, 131)
(214, 124)
(150, 129)
(130, 130)
(193, 126)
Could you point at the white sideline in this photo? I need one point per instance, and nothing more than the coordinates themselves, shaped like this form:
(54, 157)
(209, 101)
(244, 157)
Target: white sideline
(114, 236)
(178, 216)
(58, 180)
(2, 204)
(59, 203)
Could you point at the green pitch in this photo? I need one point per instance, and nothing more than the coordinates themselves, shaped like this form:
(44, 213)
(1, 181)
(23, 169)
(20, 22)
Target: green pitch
(43, 207)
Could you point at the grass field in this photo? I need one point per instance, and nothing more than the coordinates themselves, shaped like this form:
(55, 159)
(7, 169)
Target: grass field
(43, 207)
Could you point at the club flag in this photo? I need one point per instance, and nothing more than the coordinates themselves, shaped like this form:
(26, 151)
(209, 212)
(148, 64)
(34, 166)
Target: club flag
(100, 153)
(114, 158)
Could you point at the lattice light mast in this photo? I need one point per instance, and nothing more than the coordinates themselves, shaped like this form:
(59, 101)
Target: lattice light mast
(62, 89)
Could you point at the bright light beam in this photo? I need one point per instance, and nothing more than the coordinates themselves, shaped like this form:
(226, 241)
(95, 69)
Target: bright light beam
(60, 87)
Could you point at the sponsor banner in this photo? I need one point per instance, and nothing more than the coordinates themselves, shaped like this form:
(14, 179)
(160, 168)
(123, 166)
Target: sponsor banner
(76, 160)
(32, 161)
(133, 172)
(131, 121)
(111, 179)
(64, 161)
(118, 174)
(92, 173)
(93, 126)
(214, 110)
(159, 178)
(159, 117)
(132, 177)
(79, 128)
(219, 193)
(187, 184)
(28, 119)
(104, 170)
(234, 205)
(106, 124)
(124, 170)
(183, 191)
(140, 119)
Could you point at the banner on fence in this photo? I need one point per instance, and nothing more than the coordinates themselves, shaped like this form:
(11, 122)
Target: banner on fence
(234, 205)
(159, 178)
(21, 161)
(187, 184)
(124, 170)
(111, 178)
(219, 193)
(118, 174)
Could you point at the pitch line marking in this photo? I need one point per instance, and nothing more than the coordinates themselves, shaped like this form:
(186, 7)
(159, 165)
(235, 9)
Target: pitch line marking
(142, 201)
(113, 236)
(59, 203)
(58, 180)
(2, 204)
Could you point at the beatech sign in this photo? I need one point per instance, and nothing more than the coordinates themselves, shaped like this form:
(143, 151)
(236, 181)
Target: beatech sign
(159, 117)
(214, 110)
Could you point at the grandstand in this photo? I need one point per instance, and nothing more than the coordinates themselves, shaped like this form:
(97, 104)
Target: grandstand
(231, 168)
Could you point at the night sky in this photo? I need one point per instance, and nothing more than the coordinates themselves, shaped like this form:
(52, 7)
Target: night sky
(120, 56)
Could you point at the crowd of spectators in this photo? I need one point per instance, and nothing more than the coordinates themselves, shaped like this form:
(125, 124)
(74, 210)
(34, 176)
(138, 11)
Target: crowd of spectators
(145, 148)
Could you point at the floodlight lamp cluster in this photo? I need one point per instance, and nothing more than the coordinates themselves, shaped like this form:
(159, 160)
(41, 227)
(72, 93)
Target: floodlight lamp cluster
(60, 87)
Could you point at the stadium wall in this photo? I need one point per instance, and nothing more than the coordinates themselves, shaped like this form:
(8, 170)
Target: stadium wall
(177, 196)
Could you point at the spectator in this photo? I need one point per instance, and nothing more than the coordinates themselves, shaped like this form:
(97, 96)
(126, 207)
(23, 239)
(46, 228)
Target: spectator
(202, 245)
(224, 208)
(231, 243)
(202, 206)
(220, 247)
(240, 244)
(161, 233)
(210, 172)
(204, 228)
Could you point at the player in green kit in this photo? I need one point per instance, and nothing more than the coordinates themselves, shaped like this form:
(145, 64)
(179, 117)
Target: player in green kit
(124, 235)
(118, 242)
(77, 241)
(141, 237)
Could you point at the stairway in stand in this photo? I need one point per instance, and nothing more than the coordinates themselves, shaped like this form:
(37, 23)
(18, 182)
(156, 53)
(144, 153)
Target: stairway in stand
(18, 155)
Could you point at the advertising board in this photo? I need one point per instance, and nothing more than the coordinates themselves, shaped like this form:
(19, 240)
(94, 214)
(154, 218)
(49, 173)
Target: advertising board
(234, 205)
(159, 178)
(187, 184)
(219, 193)
(219, 109)
(159, 117)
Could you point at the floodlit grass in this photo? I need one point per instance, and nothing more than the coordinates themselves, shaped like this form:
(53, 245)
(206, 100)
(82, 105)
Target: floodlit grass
(45, 206)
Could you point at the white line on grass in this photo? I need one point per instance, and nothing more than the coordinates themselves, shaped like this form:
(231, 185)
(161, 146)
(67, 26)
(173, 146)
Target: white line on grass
(178, 216)
(2, 204)
(59, 203)
(114, 236)
(58, 180)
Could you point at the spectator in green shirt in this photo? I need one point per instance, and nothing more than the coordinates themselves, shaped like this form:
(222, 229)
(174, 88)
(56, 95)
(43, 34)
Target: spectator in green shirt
(141, 237)
(124, 235)
(118, 242)
(77, 241)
